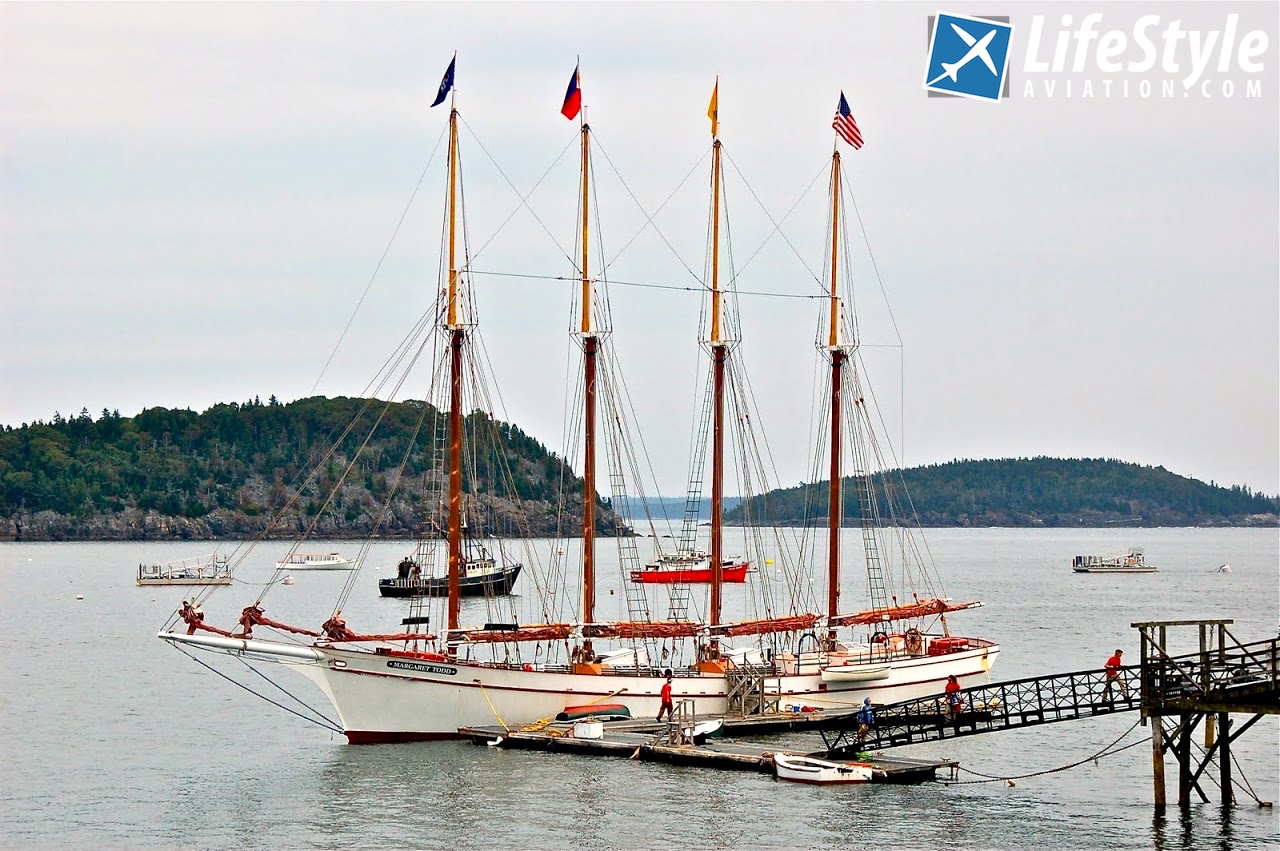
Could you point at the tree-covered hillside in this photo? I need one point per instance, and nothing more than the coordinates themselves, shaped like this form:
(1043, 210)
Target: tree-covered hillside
(1034, 492)
(178, 473)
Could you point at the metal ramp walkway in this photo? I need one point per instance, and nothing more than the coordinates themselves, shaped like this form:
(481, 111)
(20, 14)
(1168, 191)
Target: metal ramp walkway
(987, 709)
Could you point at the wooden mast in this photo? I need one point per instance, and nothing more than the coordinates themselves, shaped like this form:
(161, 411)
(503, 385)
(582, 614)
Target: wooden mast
(590, 345)
(719, 353)
(457, 338)
(837, 362)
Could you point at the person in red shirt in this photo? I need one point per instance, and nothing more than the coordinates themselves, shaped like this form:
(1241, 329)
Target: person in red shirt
(1113, 666)
(667, 707)
(953, 696)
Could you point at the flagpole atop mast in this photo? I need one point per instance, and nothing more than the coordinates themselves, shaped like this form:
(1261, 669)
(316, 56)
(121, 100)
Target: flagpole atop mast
(590, 346)
(457, 335)
(719, 355)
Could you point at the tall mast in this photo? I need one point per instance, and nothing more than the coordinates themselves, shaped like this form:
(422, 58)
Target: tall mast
(590, 345)
(719, 353)
(837, 363)
(457, 338)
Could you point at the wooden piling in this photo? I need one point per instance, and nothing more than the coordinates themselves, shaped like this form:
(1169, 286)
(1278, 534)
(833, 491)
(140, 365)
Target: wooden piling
(1224, 757)
(1157, 761)
(1184, 760)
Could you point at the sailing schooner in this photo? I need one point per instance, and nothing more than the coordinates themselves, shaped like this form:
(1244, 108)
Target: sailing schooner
(415, 685)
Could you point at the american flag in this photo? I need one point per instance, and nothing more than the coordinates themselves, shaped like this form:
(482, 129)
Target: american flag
(845, 125)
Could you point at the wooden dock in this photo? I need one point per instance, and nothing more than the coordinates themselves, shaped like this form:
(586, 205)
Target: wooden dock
(651, 741)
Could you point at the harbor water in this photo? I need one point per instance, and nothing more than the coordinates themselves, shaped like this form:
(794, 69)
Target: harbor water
(114, 739)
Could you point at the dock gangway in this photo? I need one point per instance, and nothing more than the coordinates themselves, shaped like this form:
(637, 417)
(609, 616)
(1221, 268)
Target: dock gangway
(987, 709)
(1243, 677)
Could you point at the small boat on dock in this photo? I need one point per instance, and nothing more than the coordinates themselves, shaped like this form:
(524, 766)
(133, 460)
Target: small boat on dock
(1132, 562)
(807, 769)
(201, 570)
(852, 672)
(315, 561)
(599, 711)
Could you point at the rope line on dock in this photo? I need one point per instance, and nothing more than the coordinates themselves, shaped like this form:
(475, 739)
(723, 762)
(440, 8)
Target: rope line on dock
(493, 708)
(1105, 752)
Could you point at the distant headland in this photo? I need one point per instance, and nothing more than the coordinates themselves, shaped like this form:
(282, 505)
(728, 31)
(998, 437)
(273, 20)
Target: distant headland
(174, 474)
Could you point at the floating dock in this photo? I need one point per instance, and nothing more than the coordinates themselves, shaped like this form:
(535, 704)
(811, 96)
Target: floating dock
(651, 741)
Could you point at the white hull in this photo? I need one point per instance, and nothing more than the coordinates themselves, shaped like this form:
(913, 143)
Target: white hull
(316, 564)
(290, 566)
(803, 769)
(406, 697)
(1113, 569)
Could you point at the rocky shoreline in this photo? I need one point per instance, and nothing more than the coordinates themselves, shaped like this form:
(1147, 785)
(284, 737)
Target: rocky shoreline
(139, 525)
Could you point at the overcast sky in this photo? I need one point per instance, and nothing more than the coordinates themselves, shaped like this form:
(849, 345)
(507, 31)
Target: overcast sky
(194, 196)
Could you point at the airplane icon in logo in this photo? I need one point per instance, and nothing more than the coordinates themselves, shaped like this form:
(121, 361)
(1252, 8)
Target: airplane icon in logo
(977, 50)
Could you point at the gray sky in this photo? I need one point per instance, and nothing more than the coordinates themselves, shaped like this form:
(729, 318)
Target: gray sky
(193, 197)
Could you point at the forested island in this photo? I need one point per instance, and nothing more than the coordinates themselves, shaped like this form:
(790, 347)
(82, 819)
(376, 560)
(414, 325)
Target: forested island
(1029, 492)
(231, 470)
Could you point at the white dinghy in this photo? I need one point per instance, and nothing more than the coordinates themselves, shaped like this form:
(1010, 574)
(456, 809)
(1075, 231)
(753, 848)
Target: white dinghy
(807, 769)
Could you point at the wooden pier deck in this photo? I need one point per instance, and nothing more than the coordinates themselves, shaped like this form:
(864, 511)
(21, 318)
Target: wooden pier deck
(651, 741)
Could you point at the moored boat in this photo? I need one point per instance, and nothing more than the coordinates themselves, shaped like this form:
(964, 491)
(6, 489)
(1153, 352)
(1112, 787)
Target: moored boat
(482, 576)
(691, 567)
(202, 570)
(315, 561)
(1134, 561)
(807, 769)
(415, 685)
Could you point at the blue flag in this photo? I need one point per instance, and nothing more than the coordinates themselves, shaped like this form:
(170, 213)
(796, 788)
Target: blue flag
(446, 84)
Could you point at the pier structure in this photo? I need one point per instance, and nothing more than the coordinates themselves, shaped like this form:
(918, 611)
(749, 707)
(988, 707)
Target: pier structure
(987, 709)
(1224, 677)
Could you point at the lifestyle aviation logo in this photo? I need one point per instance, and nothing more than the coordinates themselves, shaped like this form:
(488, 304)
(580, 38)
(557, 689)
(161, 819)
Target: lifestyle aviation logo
(968, 57)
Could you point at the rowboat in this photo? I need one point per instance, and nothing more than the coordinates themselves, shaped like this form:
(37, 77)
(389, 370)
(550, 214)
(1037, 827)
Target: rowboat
(807, 769)
(853, 673)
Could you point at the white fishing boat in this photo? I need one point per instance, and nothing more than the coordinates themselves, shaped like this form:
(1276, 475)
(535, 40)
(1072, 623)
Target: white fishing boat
(413, 684)
(1134, 561)
(201, 570)
(314, 561)
(807, 769)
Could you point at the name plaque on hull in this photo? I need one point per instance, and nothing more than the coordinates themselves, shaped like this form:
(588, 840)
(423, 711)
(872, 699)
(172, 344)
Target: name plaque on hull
(422, 667)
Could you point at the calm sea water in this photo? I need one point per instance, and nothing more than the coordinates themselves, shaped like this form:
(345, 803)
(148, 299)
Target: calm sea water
(110, 738)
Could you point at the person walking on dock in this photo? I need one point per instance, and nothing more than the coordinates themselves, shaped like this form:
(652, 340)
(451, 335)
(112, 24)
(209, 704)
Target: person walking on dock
(953, 696)
(866, 719)
(667, 706)
(1114, 676)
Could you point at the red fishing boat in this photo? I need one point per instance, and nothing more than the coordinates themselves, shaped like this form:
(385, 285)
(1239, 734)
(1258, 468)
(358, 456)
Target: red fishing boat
(692, 566)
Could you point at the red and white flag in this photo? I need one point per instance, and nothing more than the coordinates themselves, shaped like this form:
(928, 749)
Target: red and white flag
(845, 125)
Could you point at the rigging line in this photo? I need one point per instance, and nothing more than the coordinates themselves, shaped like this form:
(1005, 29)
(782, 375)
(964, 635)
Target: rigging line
(701, 289)
(648, 217)
(351, 464)
(374, 385)
(874, 265)
(523, 201)
(330, 726)
(287, 693)
(777, 226)
(378, 267)
(644, 448)
(900, 475)
(1105, 752)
